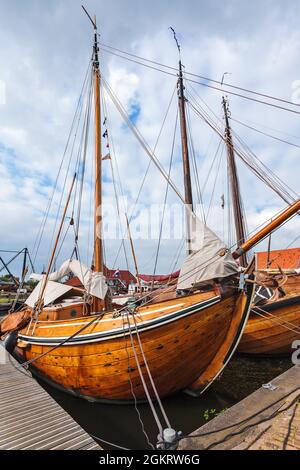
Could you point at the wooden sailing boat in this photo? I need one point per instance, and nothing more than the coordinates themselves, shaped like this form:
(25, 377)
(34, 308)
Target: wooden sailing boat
(93, 351)
(274, 321)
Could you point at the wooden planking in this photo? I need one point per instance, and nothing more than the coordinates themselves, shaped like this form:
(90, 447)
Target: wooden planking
(31, 419)
(62, 328)
(176, 355)
(267, 336)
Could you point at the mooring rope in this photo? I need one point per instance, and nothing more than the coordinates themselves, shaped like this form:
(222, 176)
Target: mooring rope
(150, 401)
(277, 320)
(163, 412)
(132, 390)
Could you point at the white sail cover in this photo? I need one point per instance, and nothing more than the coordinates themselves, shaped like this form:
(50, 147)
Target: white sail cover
(53, 291)
(210, 259)
(93, 282)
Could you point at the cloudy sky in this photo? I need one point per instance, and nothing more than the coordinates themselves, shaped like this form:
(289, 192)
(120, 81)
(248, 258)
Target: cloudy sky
(45, 49)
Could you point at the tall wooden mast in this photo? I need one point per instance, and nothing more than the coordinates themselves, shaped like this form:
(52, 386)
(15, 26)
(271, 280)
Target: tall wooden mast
(98, 249)
(235, 187)
(98, 263)
(188, 195)
(184, 141)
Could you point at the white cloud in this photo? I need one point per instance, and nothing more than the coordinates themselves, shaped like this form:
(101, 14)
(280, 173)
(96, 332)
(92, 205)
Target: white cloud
(43, 62)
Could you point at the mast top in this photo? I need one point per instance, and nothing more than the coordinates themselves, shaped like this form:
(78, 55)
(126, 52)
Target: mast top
(93, 21)
(177, 43)
(96, 48)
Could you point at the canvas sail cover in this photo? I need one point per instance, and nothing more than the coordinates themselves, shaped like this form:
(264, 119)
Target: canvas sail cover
(210, 259)
(53, 291)
(93, 282)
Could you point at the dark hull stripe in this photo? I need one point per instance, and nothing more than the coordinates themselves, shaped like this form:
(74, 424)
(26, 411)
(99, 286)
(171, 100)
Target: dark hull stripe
(284, 302)
(120, 332)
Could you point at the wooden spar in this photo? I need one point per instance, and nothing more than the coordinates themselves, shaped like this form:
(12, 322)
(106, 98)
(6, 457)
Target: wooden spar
(188, 199)
(235, 187)
(41, 296)
(265, 231)
(24, 267)
(98, 248)
(269, 250)
(133, 253)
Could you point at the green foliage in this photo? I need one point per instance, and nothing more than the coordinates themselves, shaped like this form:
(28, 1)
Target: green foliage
(31, 283)
(5, 277)
(212, 413)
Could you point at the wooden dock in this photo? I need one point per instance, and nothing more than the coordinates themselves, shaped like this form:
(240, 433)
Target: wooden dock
(32, 420)
(268, 419)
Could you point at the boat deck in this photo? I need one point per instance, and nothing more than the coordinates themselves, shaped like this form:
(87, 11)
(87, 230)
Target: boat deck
(268, 419)
(32, 420)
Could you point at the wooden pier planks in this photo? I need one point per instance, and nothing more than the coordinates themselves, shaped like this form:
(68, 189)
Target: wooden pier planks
(31, 419)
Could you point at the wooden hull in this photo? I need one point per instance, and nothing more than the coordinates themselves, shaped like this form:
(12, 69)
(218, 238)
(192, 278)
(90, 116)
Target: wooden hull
(186, 341)
(266, 337)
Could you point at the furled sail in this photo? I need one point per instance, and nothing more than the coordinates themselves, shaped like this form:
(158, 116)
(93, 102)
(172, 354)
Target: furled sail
(53, 292)
(209, 259)
(93, 282)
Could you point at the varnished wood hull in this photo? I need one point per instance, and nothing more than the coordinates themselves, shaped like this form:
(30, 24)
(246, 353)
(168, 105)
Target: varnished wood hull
(190, 344)
(267, 337)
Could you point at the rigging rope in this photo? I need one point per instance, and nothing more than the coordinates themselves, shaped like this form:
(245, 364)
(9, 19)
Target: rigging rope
(155, 415)
(264, 95)
(117, 446)
(265, 170)
(249, 426)
(275, 184)
(194, 163)
(139, 137)
(265, 133)
(214, 186)
(222, 90)
(141, 140)
(278, 321)
(149, 164)
(163, 412)
(80, 171)
(76, 117)
(109, 138)
(82, 163)
(67, 174)
(176, 257)
(165, 200)
(132, 389)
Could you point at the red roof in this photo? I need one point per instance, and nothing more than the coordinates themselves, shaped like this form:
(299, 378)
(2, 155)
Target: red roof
(122, 274)
(286, 259)
(74, 282)
(159, 277)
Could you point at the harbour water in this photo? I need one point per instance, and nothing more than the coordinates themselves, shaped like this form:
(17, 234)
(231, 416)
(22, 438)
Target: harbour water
(120, 424)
